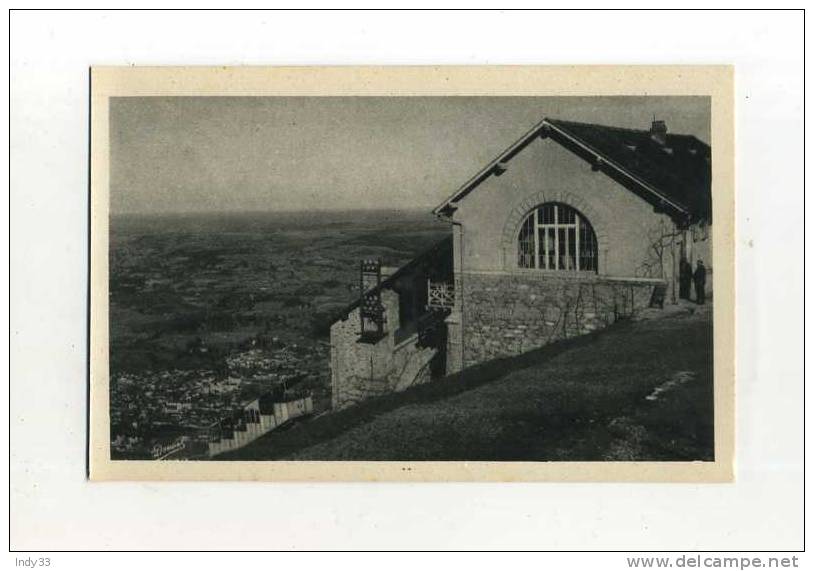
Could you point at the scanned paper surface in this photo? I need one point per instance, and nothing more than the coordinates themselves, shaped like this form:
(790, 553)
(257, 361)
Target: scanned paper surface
(445, 274)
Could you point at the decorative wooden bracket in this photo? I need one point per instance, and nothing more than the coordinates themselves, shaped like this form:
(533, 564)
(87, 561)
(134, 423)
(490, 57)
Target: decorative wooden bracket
(545, 131)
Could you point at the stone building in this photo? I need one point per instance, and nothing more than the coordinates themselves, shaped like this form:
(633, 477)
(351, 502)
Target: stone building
(571, 228)
(389, 339)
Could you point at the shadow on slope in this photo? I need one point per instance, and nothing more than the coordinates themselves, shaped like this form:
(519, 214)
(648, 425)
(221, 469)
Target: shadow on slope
(306, 433)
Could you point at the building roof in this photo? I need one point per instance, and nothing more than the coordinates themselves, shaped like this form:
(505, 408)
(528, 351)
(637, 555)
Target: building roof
(672, 172)
(435, 262)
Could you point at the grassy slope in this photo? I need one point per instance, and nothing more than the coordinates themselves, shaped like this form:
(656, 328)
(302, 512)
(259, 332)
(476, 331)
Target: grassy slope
(583, 399)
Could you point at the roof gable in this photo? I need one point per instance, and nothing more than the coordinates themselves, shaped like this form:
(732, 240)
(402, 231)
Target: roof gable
(672, 172)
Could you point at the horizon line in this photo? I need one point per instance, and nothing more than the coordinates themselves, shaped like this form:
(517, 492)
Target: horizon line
(428, 208)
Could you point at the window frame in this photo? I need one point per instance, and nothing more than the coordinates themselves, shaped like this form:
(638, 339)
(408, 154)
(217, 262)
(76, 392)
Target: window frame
(547, 229)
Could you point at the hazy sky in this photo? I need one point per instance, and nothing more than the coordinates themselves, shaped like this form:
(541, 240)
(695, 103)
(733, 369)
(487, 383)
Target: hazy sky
(193, 154)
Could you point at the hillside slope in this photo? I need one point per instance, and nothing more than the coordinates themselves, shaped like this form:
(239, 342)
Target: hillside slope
(637, 391)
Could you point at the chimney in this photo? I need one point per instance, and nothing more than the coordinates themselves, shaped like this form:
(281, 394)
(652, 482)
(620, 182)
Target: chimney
(658, 131)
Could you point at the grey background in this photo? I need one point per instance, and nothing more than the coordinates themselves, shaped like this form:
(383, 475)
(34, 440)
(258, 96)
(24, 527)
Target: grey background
(201, 154)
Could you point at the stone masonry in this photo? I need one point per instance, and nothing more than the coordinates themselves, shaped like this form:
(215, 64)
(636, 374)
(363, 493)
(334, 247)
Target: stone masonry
(363, 370)
(508, 314)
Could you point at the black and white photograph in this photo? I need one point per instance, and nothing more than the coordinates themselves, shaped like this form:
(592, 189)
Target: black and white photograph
(411, 279)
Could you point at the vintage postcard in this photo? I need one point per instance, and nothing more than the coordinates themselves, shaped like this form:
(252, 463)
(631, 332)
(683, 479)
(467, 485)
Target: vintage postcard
(415, 274)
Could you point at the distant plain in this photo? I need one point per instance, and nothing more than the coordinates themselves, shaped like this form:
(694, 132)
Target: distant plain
(189, 291)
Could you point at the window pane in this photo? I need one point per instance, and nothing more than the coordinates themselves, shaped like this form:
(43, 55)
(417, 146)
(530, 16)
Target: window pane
(551, 252)
(587, 247)
(555, 237)
(547, 214)
(542, 262)
(525, 244)
(561, 264)
(566, 214)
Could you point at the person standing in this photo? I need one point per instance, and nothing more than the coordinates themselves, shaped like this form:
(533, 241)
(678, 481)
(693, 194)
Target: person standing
(684, 278)
(700, 279)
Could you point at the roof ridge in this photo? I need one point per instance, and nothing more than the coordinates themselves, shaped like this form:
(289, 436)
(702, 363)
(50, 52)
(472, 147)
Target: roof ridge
(664, 188)
(624, 129)
(600, 125)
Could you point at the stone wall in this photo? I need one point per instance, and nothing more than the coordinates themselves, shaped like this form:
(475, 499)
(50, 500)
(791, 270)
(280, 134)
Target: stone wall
(507, 314)
(363, 370)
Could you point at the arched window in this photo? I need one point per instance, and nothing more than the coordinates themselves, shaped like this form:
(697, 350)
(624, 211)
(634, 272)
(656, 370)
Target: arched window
(554, 236)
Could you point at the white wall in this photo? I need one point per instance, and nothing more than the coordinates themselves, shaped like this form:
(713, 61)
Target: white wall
(545, 171)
